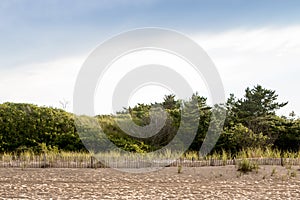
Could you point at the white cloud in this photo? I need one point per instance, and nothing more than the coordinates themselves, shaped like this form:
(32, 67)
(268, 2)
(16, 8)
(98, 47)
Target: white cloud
(151, 92)
(40, 83)
(268, 56)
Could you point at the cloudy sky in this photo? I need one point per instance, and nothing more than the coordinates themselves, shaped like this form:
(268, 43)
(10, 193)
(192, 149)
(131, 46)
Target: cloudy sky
(44, 43)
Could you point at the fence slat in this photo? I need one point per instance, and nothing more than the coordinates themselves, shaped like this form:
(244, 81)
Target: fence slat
(41, 161)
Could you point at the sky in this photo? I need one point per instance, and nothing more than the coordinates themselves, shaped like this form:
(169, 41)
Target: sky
(43, 44)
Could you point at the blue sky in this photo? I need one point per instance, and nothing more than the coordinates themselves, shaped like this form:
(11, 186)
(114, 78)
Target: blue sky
(34, 34)
(38, 30)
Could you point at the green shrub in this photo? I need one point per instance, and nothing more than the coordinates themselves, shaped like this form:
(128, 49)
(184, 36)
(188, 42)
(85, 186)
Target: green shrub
(179, 169)
(246, 166)
(293, 174)
(273, 171)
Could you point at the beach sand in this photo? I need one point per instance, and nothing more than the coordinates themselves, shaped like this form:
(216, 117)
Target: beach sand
(270, 182)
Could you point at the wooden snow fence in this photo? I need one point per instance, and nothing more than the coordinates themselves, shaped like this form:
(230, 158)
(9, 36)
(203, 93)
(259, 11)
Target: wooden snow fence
(43, 161)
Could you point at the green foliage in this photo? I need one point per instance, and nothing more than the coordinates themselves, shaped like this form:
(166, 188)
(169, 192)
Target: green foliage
(256, 111)
(251, 125)
(288, 135)
(293, 174)
(274, 172)
(256, 103)
(26, 126)
(236, 138)
(246, 166)
(179, 169)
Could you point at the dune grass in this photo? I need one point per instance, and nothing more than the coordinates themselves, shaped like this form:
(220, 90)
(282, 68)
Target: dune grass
(55, 157)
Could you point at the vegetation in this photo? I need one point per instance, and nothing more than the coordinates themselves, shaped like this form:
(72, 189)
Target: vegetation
(273, 173)
(247, 166)
(179, 169)
(251, 129)
(293, 174)
(29, 127)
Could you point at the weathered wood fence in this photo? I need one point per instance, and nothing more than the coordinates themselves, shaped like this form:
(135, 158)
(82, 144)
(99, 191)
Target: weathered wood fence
(43, 161)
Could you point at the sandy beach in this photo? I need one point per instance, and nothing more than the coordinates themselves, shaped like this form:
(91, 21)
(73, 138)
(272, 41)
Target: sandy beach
(271, 182)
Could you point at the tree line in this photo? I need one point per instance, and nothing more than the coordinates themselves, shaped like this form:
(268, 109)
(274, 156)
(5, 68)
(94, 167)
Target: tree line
(251, 122)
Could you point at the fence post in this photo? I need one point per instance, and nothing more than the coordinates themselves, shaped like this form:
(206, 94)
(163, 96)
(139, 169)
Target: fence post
(92, 162)
(45, 160)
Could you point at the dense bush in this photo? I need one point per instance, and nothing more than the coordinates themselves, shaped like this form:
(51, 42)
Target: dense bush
(251, 123)
(26, 126)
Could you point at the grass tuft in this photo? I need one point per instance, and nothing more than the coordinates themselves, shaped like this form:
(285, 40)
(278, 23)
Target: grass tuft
(246, 166)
